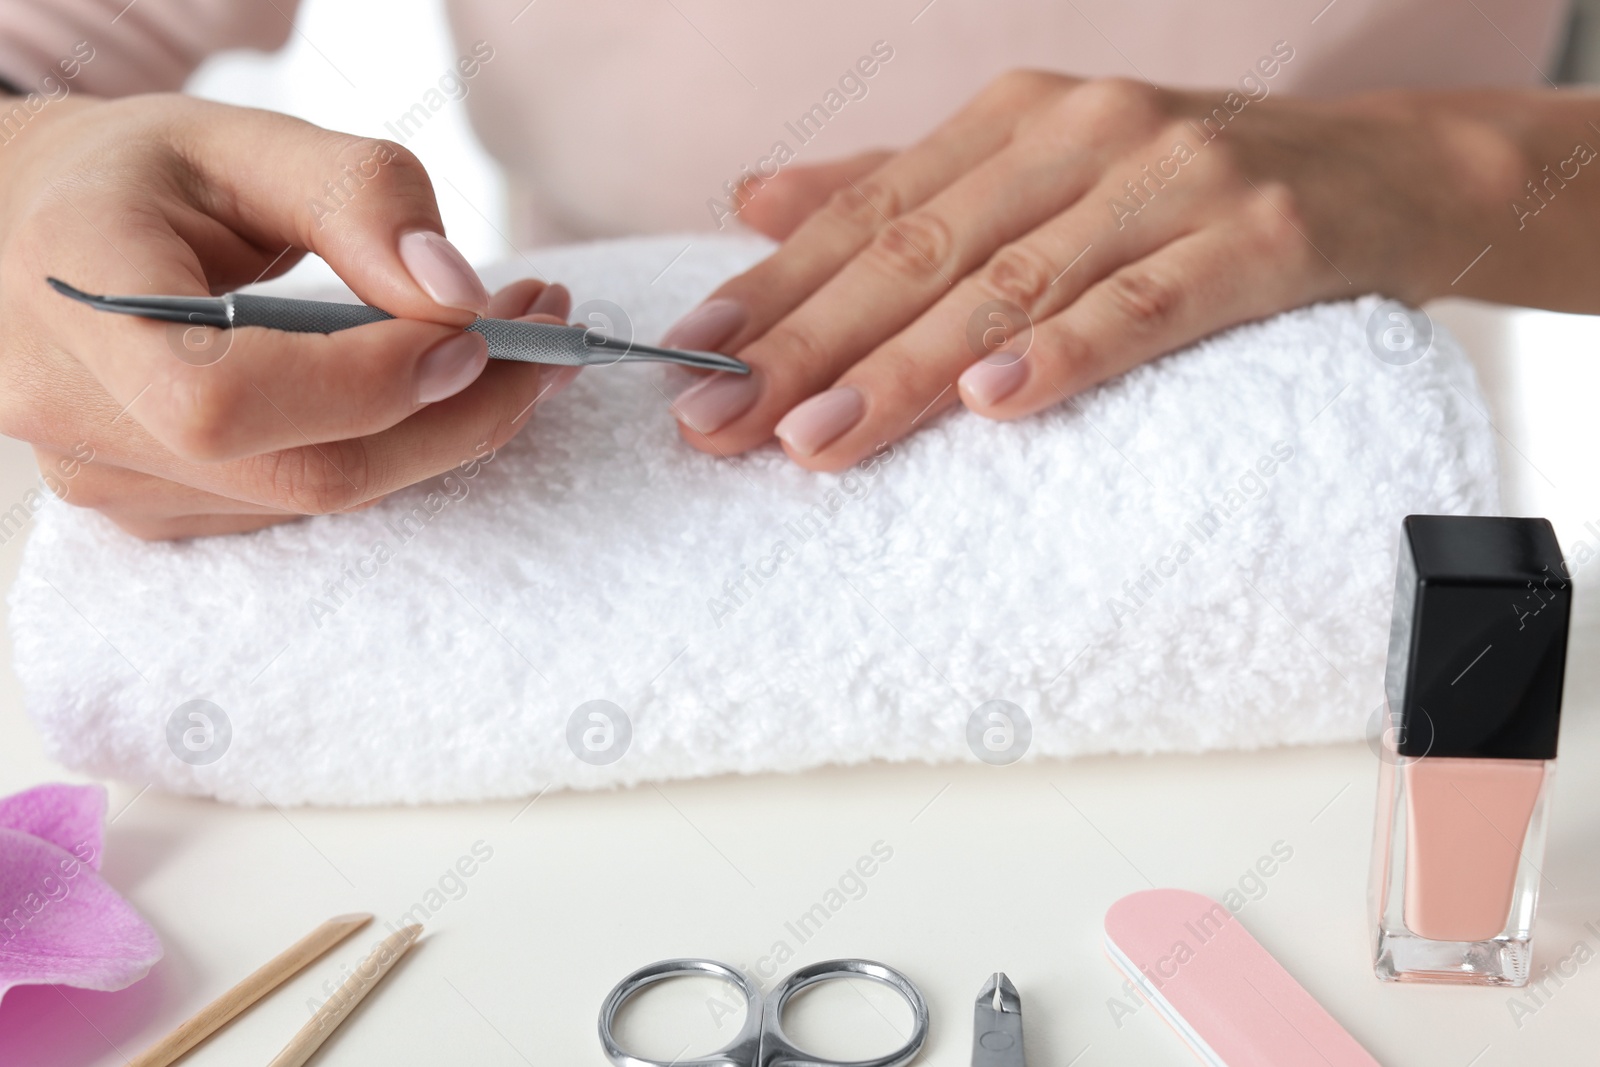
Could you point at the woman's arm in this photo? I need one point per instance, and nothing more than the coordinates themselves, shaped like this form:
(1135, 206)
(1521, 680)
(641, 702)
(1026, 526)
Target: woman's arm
(139, 47)
(1057, 232)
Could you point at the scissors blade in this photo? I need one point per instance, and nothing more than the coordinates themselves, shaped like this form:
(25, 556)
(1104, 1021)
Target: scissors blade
(997, 1024)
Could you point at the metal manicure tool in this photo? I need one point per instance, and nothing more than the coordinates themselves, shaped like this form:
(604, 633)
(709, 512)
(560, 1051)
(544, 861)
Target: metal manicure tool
(997, 1025)
(525, 342)
(761, 1042)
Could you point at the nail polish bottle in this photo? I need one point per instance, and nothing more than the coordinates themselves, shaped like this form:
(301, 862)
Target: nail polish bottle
(1477, 650)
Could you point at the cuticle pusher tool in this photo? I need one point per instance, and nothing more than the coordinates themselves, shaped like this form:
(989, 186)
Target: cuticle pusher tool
(525, 342)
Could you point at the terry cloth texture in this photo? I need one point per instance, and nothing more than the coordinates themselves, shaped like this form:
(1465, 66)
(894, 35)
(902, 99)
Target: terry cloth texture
(1198, 555)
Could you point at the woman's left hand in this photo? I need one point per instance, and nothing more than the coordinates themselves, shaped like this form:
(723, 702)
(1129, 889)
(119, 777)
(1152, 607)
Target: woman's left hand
(1093, 225)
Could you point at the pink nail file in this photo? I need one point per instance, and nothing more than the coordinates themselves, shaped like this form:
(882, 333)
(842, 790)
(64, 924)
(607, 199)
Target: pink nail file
(1218, 988)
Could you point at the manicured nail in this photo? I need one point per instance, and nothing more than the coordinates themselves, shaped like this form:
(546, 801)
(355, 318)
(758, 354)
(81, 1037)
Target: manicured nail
(442, 272)
(987, 383)
(716, 400)
(812, 426)
(450, 366)
(707, 326)
(554, 300)
(555, 382)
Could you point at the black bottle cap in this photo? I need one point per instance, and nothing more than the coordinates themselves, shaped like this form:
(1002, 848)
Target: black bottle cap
(1478, 645)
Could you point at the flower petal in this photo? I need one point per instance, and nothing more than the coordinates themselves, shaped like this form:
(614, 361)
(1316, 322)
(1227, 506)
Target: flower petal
(67, 816)
(62, 924)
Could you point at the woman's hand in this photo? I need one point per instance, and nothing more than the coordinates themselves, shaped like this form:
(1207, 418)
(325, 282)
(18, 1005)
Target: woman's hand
(1057, 232)
(176, 432)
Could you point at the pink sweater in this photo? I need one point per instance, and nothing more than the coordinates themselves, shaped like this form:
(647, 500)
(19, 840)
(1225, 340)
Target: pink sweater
(621, 116)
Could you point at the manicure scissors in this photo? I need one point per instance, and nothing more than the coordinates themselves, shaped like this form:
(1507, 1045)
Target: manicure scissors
(761, 1042)
(525, 342)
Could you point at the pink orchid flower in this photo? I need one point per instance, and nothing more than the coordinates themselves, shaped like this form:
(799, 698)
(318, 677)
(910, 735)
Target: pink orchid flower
(60, 922)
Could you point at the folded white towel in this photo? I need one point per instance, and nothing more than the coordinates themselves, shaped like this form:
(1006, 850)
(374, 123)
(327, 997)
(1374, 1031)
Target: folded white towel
(1198, 555)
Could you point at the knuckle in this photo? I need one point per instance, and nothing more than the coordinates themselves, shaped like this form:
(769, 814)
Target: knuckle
(914, 246)
(316, 480)
(1144, 298)
(1277, 214)
(1018, 273)
(1219, 165)
(1065, 351)
(1024, 84)
(198, 417)
(379, 160)
(1170, 135)
(358, 166)
(798, 347)
(1115, 99)
(863, 205)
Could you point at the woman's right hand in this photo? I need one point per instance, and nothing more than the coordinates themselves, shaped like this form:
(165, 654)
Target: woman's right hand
(177, 431)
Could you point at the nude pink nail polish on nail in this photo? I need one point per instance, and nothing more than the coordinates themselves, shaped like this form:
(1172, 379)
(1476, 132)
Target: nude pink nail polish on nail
(1476, 657)
(707, 326)
(554, 300)
(442, 272)
(450, 366)
(716, 400)
(991, 380)
(556, 381)
(813, 425)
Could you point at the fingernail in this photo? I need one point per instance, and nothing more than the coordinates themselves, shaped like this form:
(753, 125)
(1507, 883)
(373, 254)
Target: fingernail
(556, 381)
(716, 400)
(450, 366)
(707, 326)
(554, 300)
(987, 383)
(812, 426)
(442, 272)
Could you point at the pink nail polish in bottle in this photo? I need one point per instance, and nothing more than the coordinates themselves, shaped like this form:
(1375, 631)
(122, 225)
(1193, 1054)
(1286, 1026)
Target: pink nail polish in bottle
(1477, 651)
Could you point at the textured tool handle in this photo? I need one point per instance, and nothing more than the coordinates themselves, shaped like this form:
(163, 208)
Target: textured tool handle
(302, 316)
(540, 342)
(527, 342)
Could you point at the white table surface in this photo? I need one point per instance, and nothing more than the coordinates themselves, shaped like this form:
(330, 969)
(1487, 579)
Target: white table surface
(992, 868)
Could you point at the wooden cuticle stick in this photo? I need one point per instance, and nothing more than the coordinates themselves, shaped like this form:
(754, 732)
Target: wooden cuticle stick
(269, 976)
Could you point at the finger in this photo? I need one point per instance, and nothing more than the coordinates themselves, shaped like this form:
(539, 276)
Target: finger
(1187, 288)
(145, 506)
(100, 485)
(455, 433)
(336, 475)
(313, 388)
(530, 296)
(745, 307)
(364, 205)
(1208, 281)
(210, 395)
(910, 265)
(776, 206)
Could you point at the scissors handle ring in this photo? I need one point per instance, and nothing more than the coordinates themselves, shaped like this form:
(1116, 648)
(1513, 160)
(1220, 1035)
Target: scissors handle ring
(742, 1051)
(778, 1051)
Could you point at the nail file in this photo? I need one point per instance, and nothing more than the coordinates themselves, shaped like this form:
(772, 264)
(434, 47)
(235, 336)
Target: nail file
(1218, 988)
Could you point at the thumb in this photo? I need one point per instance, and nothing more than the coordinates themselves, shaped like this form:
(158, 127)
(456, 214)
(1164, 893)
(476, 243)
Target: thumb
(364, 205)
(780, 204)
